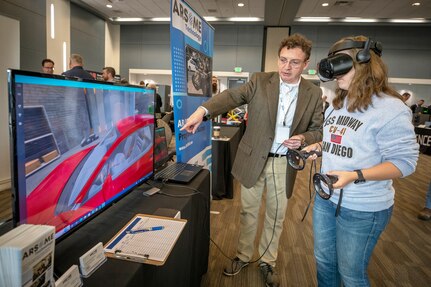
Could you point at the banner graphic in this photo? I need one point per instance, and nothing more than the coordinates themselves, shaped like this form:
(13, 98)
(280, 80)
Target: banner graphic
(192, 42)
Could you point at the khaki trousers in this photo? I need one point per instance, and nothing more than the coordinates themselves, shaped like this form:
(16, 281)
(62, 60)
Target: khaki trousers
(276, 205)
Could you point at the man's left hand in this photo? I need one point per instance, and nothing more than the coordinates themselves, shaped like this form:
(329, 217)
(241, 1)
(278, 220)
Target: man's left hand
(294, 142)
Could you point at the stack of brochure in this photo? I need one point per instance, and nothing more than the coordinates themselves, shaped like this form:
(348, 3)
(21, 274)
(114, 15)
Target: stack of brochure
(27, 256)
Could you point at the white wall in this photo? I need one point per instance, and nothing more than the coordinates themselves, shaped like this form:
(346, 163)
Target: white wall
(274, 36)
(112, 47)
(54, 47)
(9, 58)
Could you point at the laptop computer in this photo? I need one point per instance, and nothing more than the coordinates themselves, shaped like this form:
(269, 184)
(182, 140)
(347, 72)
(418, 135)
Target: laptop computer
(165, 171)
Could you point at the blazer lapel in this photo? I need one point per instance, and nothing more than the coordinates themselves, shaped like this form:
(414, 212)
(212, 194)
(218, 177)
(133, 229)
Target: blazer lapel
(301, 105)
(273, 92)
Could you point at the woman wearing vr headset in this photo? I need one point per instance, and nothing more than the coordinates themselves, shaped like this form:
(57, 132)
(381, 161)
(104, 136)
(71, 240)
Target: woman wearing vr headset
(368, 140)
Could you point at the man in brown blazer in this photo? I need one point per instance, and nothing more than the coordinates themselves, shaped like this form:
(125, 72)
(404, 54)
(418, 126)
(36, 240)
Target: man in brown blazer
(284, 112)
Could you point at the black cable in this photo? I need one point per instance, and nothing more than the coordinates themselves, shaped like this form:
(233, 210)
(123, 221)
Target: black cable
(164, 183)
(6, 221)
(206, 205)
(314, 165)
(311, 192)
(276, 209)
(221, 251)
(275, 219)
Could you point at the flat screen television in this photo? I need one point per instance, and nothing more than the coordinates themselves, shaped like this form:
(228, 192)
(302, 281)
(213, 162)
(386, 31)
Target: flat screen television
(76, 146)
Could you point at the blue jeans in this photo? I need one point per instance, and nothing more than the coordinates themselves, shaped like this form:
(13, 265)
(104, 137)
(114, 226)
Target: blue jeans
(343, 245)
(428, 197)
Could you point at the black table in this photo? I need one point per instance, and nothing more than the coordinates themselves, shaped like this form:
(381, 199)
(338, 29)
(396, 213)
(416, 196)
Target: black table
(423, 137)
(185, 265)
(223, 155)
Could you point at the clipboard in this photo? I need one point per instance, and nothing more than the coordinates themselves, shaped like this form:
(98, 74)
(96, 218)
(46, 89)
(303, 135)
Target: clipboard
(152, 242)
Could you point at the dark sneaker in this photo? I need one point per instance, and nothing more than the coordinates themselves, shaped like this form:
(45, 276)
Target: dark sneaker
(269, 274)
(235, 267)
(425, 214)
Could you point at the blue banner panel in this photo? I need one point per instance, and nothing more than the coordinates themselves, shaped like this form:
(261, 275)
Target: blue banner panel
(192, 42)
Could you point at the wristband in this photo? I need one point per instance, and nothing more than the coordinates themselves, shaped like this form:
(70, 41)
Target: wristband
(361, 178)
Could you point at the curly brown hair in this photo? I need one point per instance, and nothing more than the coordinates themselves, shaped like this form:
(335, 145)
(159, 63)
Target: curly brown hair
(370, 78)
(297, 41)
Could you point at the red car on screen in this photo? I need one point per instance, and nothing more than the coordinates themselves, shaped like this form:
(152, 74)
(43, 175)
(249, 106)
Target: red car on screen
(94, 175)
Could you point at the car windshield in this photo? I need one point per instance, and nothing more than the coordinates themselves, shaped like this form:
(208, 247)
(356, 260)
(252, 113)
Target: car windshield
(130, 150)
(83, 171)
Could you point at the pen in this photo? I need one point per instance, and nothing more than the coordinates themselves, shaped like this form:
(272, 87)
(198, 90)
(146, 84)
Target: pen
(154, 228)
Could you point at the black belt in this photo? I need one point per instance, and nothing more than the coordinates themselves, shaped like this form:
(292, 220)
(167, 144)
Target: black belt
(275, 155)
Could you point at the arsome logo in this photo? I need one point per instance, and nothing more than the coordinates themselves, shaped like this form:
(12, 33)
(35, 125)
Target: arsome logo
(184, 19)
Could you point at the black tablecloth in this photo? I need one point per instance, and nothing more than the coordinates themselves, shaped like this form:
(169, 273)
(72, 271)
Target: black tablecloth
(223, 155)
(423, 137)
(185, 265)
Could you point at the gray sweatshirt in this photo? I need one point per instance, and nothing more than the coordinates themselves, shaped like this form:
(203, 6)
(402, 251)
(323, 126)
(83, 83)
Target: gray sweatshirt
(360, 140)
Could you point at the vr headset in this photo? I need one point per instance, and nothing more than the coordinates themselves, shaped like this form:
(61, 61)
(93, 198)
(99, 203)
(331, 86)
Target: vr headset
(339, 64)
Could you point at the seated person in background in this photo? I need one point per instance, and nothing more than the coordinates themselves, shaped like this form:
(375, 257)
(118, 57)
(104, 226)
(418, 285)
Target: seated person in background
(159, 102)
(215, 85)
(416, 108)
(76, 65)
(405, 97)
(425, 213)
(108, 74)
(48, 66)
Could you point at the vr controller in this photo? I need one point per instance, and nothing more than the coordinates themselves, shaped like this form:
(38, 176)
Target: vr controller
(297, 158)
(328, 181)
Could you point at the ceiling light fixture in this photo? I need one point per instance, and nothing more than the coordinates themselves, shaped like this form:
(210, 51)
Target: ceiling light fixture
(325, 4)
(359, 20)
(128, 19)
(161, 19)
(416, 4)
(413, 20)
(314, 19)
(240, 4)
(109, 5)
(245, 19)
(211, 18)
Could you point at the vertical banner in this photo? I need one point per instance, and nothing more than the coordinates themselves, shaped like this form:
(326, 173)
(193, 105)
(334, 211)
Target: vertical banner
(192, 42)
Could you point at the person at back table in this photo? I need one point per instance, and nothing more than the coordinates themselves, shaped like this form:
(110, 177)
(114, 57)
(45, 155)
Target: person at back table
(284, 112)
(76, 66)
(405, 97)
(48, 66)
(108, 74)
(159, 102)
(416, 108)
(425, 213)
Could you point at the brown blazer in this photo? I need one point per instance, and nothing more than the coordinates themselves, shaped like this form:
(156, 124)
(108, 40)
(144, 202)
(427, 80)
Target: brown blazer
(261, 95)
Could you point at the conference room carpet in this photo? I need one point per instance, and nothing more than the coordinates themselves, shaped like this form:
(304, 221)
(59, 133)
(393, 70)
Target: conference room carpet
(402, 256)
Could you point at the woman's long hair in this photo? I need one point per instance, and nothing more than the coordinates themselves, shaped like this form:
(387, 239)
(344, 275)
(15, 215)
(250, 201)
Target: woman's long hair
(370, 78)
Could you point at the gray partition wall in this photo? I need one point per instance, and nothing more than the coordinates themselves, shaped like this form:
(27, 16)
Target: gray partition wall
(32, 22)
(238, 45)
(406, 49)
(148, 47)
(144, 47)
(87, 37)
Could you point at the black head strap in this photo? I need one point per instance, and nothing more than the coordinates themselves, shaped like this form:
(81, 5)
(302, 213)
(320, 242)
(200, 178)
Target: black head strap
(351, 44)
